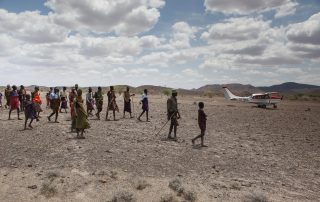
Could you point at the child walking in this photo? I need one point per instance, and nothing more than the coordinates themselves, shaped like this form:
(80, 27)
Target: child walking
(202, 119)
(30, 112)
(145, 105)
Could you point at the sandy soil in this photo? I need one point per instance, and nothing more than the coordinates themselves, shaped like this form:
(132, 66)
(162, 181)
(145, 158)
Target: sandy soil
(271, 153)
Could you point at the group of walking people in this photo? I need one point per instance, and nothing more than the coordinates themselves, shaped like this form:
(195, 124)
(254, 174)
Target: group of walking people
(57, 101)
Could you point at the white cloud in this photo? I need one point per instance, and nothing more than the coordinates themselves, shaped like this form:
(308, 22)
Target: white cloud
(105, 39)
(192, 73)
(236, 29)
(182, 34)
(109, 46)
(305, 50)
(286, 9)
(305, 32)
(164, 59)
(6, 45)
(295, 70)
(156, 3)
(37, 29)
(155, 59)
(124, 17)
(244, 7)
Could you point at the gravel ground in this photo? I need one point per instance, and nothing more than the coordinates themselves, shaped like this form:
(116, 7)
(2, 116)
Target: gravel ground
(252, 152)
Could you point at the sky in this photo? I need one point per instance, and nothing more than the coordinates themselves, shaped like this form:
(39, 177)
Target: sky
(174, 43)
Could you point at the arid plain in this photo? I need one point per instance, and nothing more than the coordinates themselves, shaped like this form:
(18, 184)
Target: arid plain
(253, 153)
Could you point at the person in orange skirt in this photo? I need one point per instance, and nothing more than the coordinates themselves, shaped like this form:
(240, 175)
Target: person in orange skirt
(14, 102)
(37, 100)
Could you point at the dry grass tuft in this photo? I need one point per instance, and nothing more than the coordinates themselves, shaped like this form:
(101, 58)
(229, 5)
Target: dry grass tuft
(52, 175)
(175, 184)
(123, 196)
(169, 198)
(141, 184)
(48, 190)
(190, 196)
(114, 175)
(255, 197)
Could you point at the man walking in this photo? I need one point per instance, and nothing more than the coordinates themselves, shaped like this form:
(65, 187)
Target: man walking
(173, 114)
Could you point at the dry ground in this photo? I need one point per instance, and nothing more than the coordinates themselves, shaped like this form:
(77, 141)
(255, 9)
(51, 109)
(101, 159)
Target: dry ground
(272, 153)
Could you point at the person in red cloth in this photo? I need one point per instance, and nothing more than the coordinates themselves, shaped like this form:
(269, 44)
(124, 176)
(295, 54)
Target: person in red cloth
(202, 121)
(14, 102)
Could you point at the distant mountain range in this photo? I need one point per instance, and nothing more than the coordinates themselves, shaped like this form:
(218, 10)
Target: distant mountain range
(216, 89)
(243, 90)
(291, 87)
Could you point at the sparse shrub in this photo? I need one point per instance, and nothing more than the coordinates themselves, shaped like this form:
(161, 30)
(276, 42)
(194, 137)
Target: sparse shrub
(114, 175)
(52, 175)
(166, 92)
(169, 198)
(255, 197)
(180, 191)
(190, 196)
(141, 184)
(235, 186)
(48, 190)
(208, 94)
(123, 196)
(175, 184)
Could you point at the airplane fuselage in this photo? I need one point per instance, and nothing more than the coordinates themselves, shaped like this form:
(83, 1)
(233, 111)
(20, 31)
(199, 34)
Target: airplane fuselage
(262, 99)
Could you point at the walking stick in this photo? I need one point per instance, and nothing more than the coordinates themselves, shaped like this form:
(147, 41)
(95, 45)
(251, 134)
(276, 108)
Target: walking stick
(164, 125)
(134, 113)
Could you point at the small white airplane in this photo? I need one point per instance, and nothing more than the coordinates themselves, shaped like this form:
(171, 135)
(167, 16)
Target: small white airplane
(261, 99)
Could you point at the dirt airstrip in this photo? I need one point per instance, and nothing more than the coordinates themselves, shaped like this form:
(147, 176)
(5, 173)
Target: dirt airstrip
(253, 154)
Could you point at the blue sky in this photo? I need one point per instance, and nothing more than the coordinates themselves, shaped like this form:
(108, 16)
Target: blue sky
(176, 43)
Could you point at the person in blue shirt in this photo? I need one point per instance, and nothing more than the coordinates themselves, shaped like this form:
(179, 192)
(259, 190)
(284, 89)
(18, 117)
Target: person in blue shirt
(145, 105)
(54, 104)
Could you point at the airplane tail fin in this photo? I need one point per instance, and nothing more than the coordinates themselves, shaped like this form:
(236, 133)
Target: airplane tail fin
(228, 95)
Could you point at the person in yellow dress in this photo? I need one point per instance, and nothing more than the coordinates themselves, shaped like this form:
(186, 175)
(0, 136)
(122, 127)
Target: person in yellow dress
(82, 122)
